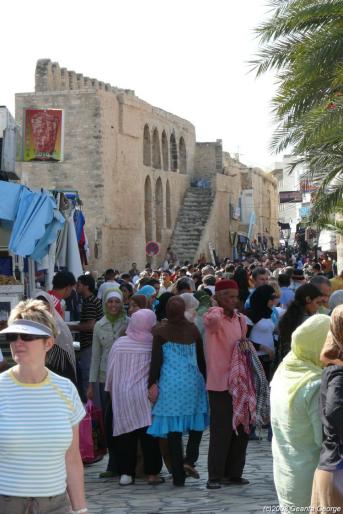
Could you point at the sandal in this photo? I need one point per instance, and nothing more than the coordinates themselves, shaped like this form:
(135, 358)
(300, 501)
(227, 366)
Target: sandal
(156, 481)
(191, 471)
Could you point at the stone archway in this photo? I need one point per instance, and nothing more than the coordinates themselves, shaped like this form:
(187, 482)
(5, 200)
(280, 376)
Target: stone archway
(183, 156)
(159, 209)
(146, 146)
(168, 206)
(148, 210)
(156, 152)
(173, 153)
(165, 153)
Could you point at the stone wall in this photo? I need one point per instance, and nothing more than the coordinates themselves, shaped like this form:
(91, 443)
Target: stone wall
(132, 164)
(220, 223)
(265, 199)
(50, 77)
(208, 159)
(104, 147)
(81, 169)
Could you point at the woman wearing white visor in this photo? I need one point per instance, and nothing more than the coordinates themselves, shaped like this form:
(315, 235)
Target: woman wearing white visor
(39, 415)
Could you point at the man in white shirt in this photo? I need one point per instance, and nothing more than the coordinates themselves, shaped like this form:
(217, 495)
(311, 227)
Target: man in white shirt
(110, 283)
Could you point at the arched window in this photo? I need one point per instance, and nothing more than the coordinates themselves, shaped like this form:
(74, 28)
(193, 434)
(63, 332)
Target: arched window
(146, 146)
(173, 153)
(183, 156)
(148, 209)
(165, 159)
(159, 209)
(156, 153)
(168, 206)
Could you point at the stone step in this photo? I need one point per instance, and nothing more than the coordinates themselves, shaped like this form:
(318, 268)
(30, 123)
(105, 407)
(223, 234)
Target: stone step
(191, 221)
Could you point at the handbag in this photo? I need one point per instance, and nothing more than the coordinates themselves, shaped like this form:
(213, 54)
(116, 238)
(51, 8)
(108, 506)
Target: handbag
(93, 433)
(86, 439)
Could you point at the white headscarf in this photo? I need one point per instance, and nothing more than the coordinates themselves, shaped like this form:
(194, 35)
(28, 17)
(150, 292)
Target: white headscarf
(191, 306)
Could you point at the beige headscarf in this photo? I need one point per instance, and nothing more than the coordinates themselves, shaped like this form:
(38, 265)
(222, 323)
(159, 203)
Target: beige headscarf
(303, 361)
(333, 347)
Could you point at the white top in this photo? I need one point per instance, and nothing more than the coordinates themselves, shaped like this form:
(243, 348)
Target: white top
(110, 284)
(262, 333)
(36, 423)
(1, 356)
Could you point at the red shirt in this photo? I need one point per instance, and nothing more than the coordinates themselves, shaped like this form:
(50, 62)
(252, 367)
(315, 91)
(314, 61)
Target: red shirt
(57, 302)
(221, 335)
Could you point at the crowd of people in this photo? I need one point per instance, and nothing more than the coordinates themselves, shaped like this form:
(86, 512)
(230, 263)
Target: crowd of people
(232, 347)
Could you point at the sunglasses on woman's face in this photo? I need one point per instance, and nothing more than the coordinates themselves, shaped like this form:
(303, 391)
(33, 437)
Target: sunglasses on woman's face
(11, 338)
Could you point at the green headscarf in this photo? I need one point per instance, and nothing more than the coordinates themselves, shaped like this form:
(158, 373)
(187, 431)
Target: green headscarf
(304, 358)
(204, 302)
(113, 318)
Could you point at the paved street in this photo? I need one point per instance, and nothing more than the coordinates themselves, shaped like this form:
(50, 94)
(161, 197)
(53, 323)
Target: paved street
(107, 497)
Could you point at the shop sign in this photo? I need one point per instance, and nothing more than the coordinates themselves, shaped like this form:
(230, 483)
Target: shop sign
(43, 139)
(290, 196)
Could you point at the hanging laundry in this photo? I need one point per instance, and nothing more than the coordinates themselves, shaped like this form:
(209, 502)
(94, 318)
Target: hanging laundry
(35, 216)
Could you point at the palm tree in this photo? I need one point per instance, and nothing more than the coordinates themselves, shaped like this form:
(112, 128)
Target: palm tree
(303, 41)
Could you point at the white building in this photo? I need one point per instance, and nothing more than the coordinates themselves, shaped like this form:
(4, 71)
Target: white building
(289, 181)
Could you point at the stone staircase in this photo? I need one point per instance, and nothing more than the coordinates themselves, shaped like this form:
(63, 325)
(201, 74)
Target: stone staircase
(190, 223)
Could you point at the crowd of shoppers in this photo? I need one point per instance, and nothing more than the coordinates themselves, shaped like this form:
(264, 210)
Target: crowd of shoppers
(174, 351)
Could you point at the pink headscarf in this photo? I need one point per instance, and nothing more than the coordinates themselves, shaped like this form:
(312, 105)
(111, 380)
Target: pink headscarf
(140, 326)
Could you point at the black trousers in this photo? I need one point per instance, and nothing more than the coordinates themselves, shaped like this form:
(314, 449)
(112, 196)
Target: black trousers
(177, 457)
(126, 446)
(108, 424)
(227, 450)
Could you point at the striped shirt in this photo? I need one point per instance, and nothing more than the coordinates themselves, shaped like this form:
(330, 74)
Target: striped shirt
(127, 380)
(91, 310)
(36, 423)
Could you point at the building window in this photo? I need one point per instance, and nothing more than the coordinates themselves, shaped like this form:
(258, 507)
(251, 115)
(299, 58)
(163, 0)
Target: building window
(168, 205)
(156, 153)
(159, 209)
(183, 156)
(146, 146)
(165, 159)
(148, 209)
(173, 153)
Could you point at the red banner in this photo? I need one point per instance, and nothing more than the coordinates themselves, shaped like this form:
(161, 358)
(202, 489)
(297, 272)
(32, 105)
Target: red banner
(43, 135)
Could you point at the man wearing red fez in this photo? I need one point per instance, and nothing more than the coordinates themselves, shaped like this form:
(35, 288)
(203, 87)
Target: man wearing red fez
(224, 326)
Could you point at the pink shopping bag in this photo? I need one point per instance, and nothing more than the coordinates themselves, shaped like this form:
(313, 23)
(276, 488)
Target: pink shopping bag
(86, 438)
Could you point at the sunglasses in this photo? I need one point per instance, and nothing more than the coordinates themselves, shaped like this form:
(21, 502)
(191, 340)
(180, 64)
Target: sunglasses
(11, 338)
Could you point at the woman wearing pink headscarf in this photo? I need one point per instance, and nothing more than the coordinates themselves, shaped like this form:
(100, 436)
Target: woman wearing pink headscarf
(126, 380)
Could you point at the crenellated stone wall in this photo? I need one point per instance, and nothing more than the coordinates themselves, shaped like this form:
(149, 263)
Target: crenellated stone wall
(50, 77)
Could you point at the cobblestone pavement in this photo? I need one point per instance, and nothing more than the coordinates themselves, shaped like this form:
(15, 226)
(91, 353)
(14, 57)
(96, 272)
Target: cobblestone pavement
(105, 496)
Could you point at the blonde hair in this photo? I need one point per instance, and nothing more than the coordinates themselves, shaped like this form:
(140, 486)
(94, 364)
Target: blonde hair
(276, 287)
(34, 310)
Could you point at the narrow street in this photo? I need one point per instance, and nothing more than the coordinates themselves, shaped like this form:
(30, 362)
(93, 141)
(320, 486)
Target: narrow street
(107, 497)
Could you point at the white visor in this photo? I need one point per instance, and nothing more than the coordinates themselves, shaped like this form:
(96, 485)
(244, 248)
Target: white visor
(26, 326)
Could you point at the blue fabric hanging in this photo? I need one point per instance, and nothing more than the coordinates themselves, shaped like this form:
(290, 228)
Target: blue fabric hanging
(79, 221)
(36, 219)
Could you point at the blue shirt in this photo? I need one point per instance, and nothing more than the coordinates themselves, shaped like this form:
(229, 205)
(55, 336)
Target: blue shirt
(287, 296)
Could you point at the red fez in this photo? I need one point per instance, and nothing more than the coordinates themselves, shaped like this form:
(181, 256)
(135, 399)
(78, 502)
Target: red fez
(226, 284)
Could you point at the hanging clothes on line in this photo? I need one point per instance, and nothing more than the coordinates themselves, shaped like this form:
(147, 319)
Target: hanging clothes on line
(36, 219)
